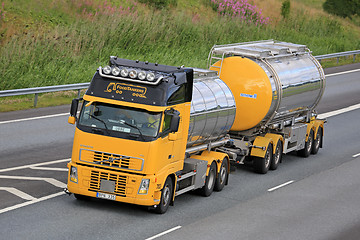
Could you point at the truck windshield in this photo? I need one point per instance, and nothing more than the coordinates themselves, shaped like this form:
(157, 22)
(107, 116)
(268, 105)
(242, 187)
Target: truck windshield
(115, 120)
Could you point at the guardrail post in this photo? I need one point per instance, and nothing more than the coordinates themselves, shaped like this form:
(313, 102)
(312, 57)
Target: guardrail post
(354, 57)
(36, 99)
(78, 93)
(337, 60)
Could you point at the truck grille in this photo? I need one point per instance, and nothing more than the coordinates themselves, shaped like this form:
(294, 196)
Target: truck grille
(120, 182)
(111, 160)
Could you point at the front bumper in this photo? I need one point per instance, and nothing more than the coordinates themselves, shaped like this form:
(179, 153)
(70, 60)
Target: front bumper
(126, 185)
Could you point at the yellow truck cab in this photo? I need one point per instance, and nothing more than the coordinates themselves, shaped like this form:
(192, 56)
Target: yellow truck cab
(131, 136)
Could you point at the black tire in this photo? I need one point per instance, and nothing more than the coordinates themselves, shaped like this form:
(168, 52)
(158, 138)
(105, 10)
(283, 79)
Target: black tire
(308, 146)
(262, 164)
(82, 197)
(208, 188)
(166, 196)
(317, 141)
(277, 157)
(222, 176)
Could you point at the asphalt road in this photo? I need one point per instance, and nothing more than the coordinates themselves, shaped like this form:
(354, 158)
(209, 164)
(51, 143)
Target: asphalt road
(320, 203)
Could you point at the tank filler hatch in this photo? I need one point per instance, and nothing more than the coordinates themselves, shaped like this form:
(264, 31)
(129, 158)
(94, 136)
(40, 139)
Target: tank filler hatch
(267, 49)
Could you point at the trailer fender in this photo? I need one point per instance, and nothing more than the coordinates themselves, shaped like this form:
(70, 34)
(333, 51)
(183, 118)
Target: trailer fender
(260, 146)
(318, 124)
(314, 125)
(275, 138)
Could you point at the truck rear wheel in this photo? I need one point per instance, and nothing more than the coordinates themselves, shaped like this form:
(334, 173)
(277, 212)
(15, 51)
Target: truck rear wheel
(262, 164)
(276, 160)
(166, 196)
(209, 182)
(222, 176)
(317, 141)
(308, 146)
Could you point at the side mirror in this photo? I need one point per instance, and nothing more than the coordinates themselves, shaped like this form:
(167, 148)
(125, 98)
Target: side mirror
(74, 107)
(175, 121)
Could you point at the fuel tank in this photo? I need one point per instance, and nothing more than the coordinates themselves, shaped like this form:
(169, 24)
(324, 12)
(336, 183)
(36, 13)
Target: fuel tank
(269, 80)
(212, 108)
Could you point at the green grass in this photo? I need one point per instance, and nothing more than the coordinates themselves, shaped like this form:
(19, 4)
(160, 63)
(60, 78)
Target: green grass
(57, 43)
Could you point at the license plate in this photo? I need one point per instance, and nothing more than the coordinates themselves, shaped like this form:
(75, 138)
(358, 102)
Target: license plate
(106, 196)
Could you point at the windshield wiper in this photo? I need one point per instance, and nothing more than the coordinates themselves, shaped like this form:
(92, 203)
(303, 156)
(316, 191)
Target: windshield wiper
(133, 126)
(100, 120)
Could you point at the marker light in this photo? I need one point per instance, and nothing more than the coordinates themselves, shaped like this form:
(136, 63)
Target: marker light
(142, 75)
(106, 70)
(133, 74)
(115, 71)
(124, 72)
(150, 77)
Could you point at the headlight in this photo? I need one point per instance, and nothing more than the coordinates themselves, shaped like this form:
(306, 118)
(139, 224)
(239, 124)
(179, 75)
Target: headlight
(106, 70)
(133, 74)
(115, 71)
(73, 174)
(144, 186)
(142, 75)
(150, 77)
(124, 72)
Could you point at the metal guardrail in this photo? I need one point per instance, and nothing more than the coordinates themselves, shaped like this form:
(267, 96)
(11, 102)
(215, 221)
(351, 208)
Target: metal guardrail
(338, 55)
(36, 91)
(79, 86)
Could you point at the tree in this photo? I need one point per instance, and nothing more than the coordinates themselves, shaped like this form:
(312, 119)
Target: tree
(342, 8)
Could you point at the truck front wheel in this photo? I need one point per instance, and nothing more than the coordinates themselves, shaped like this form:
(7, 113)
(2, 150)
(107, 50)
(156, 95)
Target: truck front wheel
(166, 196)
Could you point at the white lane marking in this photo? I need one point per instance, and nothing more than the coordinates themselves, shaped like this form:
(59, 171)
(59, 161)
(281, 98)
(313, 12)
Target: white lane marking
(163, 233)
(18, 193)
(31, 202)
(34, 165)
(280, 186)
(356, 155)
(34, 118)
(334, 74)
(340, 111)
(52, 181)
(49, 169)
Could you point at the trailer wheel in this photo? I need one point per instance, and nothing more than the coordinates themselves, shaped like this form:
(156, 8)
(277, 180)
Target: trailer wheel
(317, 141)
(209, 182)
(222, 176)
(276, 160)
(308, 146)
(166, 196)
(262, 164)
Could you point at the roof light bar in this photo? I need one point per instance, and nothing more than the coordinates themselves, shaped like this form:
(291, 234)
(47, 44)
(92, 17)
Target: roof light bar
(130, 74)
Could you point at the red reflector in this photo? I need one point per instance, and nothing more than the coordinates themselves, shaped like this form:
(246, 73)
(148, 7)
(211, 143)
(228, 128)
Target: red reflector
(194, 170)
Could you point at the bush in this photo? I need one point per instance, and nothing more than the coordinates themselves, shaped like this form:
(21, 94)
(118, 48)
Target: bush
(285, 9)
(159, 4)
(242, 10)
